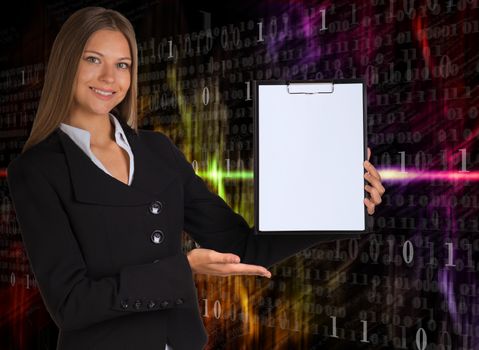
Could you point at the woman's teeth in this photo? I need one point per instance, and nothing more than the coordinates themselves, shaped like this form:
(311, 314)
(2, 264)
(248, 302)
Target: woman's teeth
(104, 93)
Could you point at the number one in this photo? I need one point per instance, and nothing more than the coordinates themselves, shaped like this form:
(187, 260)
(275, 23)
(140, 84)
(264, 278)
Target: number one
(260, 31)
(248, 90)
(449, 255)
(463, 159)
(403, 161)
(365, 332)
(323, 19)
(170, 45)
(206, 308)
(334, 335)
(353, 14)
(206, 19)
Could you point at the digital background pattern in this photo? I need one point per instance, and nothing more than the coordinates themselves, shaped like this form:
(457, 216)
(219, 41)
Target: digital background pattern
(409, 285)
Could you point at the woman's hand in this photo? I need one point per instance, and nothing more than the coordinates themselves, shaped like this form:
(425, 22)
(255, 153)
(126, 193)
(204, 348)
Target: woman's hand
(376, 190)
(211, 262)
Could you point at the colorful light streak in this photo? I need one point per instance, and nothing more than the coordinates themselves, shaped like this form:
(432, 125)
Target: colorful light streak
(217, 176)
(396, 175)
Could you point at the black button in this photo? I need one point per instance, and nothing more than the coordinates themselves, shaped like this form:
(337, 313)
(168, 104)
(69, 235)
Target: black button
(179, 301)
(154, 262)
(155, 207)
(157, 236)
(124, 303)
(164, 304)
(137, 304)
(151, 304)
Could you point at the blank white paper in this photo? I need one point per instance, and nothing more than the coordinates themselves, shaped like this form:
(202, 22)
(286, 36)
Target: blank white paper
(311, 156)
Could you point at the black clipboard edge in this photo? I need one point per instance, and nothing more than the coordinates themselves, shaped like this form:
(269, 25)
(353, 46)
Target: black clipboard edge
(255, 93)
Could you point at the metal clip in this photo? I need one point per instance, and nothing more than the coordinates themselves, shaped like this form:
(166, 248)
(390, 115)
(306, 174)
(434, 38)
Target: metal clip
(314, 85)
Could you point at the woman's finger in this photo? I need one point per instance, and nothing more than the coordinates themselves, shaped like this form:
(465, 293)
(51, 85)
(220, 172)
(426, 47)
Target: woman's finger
(230, 258)
(375, 196)
(248, 269)
(372, 170)
(375, 182)
(370, 205)
(241, 269)
(225, 258)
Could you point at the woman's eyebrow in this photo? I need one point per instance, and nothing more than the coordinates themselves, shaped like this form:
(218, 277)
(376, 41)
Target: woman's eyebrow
(100, 54)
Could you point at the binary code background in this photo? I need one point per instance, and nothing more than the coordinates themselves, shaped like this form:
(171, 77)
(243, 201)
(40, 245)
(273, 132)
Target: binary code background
(409, 285)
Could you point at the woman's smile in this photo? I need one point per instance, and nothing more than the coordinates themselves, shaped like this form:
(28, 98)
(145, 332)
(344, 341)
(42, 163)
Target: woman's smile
(103, 94)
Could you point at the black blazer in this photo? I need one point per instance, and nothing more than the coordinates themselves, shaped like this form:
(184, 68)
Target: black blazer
(107, 257)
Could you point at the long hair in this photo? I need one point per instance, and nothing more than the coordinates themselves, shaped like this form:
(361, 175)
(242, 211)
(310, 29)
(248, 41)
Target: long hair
(57, 93)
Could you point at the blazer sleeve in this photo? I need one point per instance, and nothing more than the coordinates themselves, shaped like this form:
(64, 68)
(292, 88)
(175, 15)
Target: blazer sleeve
(213, 224)
(73, 299)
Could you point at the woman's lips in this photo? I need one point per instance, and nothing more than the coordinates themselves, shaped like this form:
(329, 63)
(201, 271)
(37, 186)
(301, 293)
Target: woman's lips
(102, 94)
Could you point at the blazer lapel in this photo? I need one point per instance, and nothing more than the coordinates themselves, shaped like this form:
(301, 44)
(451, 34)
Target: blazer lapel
(92, 185)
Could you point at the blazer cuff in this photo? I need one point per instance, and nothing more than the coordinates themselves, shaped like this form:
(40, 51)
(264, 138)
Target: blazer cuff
(164, 284)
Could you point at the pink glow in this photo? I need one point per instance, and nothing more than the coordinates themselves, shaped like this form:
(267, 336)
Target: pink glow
(395, 174)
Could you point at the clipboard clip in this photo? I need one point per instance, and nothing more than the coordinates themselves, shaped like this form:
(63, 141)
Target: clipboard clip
(310, 88)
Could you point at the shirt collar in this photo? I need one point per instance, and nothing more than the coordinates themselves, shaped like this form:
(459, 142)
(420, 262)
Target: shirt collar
(118, 130)
(82, 136)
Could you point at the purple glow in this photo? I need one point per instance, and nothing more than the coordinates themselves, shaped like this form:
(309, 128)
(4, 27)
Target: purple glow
(396, 174)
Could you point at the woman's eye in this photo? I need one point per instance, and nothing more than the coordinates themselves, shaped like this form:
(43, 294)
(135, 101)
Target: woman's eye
(125, 65)
(91, 59)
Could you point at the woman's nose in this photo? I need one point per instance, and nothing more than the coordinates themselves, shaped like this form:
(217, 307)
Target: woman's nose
(107, 74)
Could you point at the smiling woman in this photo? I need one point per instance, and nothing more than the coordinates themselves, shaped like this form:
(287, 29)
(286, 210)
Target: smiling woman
(101, 45)
(103, 75)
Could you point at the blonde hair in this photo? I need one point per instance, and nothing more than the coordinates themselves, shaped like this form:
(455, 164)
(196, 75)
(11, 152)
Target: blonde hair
(57, 93)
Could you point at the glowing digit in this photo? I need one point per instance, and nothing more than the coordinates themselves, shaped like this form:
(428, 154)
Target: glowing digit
(334, 335)
(260, 31)
(408, 252)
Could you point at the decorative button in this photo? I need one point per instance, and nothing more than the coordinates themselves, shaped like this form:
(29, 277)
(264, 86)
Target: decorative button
(151, 304)
(157, 236)
(137, 304)
(155, 207)
(179, 301)
(124, 303)
(164, 304)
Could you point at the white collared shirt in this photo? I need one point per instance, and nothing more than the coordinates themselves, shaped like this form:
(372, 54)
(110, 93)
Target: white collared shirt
(82, 138)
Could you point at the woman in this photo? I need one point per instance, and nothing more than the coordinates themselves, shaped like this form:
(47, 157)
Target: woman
(102, 205)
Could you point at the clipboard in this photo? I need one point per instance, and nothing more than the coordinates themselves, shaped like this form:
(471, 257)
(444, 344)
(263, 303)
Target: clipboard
(310, 143)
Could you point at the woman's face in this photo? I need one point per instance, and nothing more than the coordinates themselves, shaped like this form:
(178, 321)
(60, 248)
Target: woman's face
(104, 74)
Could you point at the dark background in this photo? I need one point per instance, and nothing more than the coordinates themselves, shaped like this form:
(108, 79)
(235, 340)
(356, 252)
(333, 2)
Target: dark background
(409, 285)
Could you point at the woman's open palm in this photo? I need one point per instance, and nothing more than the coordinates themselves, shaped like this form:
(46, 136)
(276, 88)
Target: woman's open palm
(211, 262)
